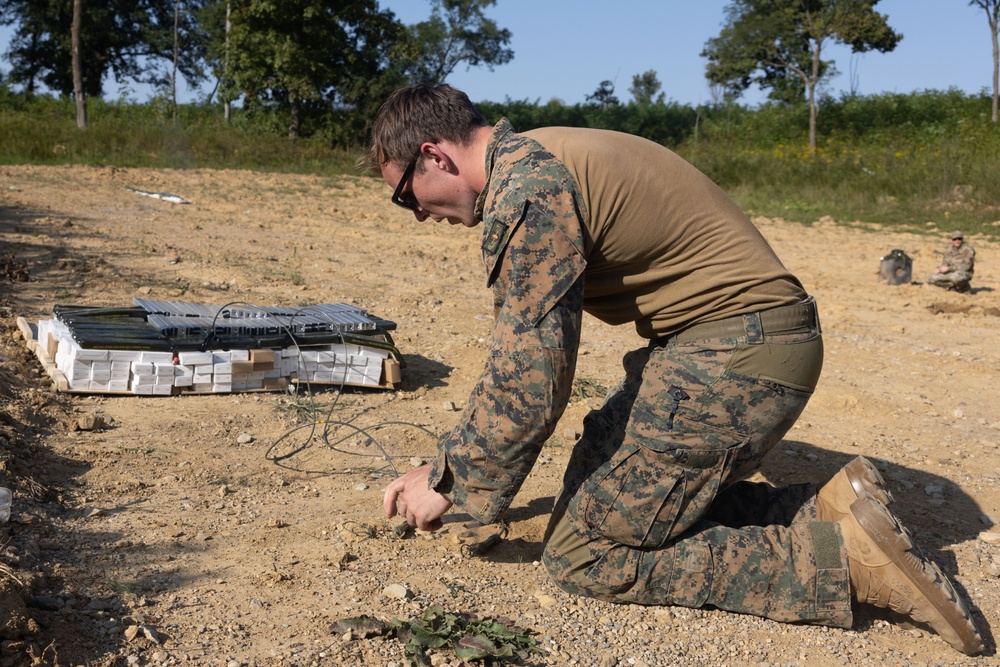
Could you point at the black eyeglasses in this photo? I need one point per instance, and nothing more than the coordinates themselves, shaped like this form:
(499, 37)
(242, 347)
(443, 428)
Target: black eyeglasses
(409, 204)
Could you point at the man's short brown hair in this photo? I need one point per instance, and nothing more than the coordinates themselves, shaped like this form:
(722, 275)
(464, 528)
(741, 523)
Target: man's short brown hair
(418, 113)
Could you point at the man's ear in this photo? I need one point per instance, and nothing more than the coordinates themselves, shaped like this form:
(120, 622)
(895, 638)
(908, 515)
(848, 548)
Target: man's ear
(439, 158)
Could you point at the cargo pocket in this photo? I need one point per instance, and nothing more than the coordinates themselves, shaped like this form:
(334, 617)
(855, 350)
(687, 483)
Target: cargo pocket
(650, 490)
(614, 573)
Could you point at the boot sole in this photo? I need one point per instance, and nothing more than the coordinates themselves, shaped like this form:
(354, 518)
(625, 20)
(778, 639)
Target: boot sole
(896, 544)
(864, 476)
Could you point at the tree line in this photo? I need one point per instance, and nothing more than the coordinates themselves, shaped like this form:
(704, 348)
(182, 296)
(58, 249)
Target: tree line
(324, 61)
(307, 57)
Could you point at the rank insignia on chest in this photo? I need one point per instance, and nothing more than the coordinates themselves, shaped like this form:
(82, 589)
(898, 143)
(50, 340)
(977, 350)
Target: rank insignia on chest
(495, 236)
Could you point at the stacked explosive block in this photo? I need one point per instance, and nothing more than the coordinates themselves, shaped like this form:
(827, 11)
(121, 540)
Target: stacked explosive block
(347, 364)
(100, 358)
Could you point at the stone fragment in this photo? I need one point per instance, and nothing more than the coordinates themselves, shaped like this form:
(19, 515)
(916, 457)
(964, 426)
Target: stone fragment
(545, 600)
(89, 423)
(341, 558)
(398, 591)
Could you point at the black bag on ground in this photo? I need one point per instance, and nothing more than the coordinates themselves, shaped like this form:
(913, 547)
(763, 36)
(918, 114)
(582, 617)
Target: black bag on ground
(896, 268)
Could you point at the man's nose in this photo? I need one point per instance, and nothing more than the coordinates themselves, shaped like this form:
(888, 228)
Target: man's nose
(421, 215)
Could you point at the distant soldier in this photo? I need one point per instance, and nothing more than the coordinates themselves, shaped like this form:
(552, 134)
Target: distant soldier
(955, 271)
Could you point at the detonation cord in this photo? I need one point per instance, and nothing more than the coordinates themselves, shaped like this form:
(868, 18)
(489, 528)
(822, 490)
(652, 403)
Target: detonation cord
(327, 423)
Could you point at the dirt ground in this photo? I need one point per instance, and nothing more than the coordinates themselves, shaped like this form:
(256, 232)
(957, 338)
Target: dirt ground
(216, 530)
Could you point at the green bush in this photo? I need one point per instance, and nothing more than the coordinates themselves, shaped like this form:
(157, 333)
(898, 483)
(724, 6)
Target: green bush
(891, 159)
(899, 159)
(42, 130)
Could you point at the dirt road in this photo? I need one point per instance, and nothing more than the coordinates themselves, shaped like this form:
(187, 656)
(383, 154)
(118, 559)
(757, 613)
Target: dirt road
(173, 536)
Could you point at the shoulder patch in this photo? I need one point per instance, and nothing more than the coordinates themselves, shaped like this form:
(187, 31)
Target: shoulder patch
(495, 237)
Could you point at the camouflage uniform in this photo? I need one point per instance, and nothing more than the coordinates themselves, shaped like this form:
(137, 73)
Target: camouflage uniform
(960, 262)
(654, 509)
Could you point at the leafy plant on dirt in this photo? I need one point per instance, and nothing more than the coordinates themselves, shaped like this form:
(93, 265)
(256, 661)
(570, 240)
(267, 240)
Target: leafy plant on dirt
(301, 409)
(587, 388)
(13, 269)
(484, 641)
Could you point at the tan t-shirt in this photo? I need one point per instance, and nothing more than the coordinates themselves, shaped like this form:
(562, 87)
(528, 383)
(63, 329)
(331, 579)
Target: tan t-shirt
(665, 246)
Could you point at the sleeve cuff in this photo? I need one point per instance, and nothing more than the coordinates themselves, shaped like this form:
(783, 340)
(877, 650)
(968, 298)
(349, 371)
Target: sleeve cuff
(478, 505)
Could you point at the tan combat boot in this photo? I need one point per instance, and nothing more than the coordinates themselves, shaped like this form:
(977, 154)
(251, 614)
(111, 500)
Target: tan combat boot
(889, 571)
(833, 501)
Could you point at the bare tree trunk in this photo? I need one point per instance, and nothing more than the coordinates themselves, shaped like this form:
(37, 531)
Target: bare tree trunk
(228, 113)
(173, 73)
(812, 116)
(811, 93)
(295, 123)
(996, 57)
(811, 80)
(78, 92)
(992, 9)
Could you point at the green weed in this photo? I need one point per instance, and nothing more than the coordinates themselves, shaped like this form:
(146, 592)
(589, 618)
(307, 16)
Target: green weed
(473, 640)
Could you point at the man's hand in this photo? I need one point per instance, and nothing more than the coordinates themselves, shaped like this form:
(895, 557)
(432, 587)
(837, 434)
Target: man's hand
(409, 496)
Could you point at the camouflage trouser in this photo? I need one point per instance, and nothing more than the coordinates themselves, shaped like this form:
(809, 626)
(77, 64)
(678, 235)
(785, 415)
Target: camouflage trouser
(653, 508)
(958, 280)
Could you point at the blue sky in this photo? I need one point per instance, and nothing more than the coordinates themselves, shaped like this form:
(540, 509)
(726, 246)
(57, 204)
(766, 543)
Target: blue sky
(564, 48)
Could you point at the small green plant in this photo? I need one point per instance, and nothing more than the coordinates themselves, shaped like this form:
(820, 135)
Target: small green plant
(14, 269)
(148, 451)
(484, 641)
(301, 408)
(119, 586)
(588, 388)
(454, 588)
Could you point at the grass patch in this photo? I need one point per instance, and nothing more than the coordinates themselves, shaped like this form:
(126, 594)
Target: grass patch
(894, 160)
(43, 130)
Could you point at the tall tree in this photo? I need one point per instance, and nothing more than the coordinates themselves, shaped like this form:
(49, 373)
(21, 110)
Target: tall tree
(604, 95)
(173, 70)
(81, 97)
(646, 88)
(457, 32)
(778, 44)
(129, 38)
(225, 62)
(992, 9)
(300, 54)
(215, 19)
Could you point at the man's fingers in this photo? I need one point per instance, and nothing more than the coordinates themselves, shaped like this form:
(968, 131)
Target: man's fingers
(389, 499)
(410, 497)
(420, 522)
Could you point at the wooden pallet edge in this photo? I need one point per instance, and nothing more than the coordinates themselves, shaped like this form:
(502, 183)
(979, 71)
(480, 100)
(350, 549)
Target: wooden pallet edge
(392, 373)
(29, 333)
